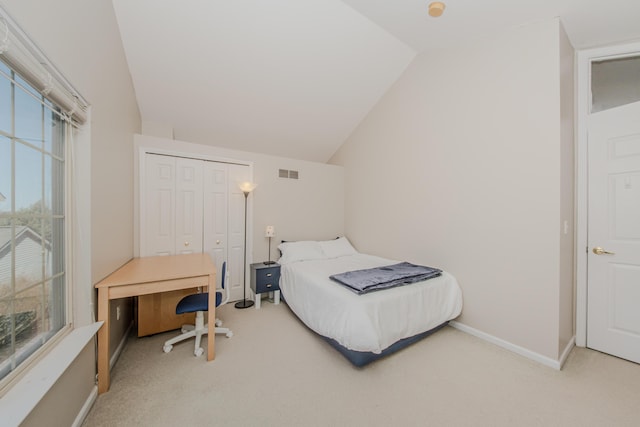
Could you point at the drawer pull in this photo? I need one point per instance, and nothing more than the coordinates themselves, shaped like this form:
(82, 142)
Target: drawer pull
(269, 274)
(269, 285)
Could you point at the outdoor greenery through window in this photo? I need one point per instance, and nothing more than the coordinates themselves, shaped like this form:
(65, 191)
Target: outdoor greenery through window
(32, 220)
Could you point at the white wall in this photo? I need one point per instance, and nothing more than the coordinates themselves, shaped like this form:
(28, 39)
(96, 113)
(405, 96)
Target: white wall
(567, 291)
(459, 166)
(311, 207)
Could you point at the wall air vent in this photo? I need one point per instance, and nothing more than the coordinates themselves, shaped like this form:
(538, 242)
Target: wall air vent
(284, 173)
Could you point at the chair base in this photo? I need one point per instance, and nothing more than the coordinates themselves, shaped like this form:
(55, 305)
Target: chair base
(197, 331)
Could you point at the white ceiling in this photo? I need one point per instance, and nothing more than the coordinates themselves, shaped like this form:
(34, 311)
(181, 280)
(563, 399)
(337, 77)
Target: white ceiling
(294, 78)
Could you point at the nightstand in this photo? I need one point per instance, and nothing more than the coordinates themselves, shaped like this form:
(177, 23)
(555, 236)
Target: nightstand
(265, 278)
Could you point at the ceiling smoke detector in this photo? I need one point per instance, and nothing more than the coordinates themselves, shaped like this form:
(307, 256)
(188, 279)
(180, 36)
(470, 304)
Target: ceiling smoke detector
(436, 9)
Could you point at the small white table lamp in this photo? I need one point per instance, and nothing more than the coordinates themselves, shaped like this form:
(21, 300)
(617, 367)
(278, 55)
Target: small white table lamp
(269, 232)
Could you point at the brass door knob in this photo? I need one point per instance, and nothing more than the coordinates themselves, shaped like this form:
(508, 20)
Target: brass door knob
(599, 251)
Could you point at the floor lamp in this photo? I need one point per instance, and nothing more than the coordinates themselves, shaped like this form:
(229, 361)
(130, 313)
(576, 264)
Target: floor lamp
(246, 187)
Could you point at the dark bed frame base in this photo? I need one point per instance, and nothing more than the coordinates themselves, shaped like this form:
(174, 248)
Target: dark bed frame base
(362, 358)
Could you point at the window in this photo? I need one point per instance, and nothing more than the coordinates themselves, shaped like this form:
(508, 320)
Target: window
(614, 82)
(33, 290)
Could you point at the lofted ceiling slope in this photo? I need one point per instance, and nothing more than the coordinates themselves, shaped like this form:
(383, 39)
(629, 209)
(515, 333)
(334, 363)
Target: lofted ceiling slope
(294, 78)
(284, 77)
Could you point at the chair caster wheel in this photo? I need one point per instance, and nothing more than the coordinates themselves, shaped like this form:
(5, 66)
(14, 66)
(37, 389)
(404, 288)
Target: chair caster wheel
(229, 334)
(218, 323)
(167, 348)
(199, 352)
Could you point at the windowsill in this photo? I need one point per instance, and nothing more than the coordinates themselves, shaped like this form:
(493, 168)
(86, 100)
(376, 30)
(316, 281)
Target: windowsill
(23, 397)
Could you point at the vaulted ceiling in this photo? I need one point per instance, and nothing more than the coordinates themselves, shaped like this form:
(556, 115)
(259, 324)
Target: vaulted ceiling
(294, 78)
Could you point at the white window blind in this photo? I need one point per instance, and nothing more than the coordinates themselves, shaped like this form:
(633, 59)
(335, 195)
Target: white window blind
(26, 59)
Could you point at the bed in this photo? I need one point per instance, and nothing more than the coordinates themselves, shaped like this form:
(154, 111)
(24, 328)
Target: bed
(363, 327)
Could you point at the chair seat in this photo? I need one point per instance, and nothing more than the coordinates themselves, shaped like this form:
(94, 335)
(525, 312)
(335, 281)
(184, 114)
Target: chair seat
(196, 302)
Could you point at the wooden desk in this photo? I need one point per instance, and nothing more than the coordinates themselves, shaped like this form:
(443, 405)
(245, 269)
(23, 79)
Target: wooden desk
(142, 276)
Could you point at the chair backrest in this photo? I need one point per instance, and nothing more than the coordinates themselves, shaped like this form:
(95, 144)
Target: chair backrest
(224, 274)
(225, 293)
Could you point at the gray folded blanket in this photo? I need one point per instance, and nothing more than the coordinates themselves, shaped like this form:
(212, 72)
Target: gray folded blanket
(378, 278)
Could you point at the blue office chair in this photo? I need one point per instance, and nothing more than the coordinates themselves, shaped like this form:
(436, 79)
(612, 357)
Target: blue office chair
(200, 303)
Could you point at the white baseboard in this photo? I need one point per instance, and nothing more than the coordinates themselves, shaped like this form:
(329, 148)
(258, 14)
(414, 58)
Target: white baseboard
(567, 350)
(123, 341)
(86, 407)
(547, 361)
(88, 404)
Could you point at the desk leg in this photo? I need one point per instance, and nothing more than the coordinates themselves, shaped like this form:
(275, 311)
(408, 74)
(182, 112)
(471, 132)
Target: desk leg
(103, 341)
(211, 322)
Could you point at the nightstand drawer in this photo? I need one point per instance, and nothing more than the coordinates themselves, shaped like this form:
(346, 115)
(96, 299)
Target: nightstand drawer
(268, 274)
(267, 279)
(269, 286)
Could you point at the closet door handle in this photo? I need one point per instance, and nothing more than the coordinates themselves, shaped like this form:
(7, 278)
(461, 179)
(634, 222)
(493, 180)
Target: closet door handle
(186, 243)
(599, 251)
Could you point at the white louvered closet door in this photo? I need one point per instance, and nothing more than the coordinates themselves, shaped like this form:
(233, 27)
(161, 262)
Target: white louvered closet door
(193, 205)
(215, 216)
(171, 215)
(189, 206)
(158, 207)
(224, 237)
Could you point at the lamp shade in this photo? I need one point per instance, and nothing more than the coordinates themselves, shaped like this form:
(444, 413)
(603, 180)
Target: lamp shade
(247, 187)
(270, 231)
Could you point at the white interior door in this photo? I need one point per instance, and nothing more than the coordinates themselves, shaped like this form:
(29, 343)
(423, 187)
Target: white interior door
(613, 291)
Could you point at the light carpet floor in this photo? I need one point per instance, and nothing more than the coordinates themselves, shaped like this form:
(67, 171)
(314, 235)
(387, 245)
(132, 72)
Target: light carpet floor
(275, 372)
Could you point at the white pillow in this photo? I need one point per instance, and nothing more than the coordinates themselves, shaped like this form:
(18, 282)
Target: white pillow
(337, 248)
(300, 251)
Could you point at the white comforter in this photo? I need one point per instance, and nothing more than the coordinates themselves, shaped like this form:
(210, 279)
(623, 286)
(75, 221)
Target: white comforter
(369, 322)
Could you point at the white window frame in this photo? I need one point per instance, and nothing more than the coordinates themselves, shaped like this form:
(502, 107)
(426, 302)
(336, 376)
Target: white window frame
(36, 345)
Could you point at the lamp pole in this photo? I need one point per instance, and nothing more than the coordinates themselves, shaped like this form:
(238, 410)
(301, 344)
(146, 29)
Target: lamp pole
(244, 303)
